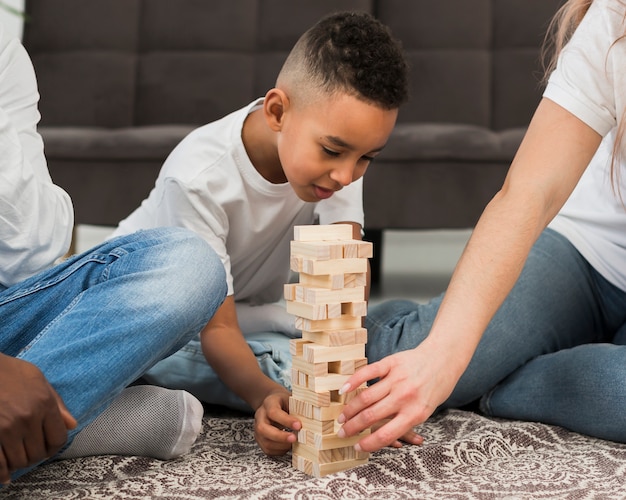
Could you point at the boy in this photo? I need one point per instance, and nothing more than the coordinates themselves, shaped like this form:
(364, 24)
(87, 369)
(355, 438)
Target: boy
(244, 181)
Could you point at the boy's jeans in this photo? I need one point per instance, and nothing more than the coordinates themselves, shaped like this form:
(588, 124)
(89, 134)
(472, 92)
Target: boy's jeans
(267, 330)
(555, 351)
(96, 322)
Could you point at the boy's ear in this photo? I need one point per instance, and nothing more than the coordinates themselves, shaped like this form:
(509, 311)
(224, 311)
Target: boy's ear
(275, 105)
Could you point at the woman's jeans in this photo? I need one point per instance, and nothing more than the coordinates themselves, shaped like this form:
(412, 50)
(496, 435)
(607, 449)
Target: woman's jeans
(96, 322)
(555, 352)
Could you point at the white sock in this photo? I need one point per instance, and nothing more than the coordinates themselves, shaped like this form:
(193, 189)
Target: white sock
(144, 420)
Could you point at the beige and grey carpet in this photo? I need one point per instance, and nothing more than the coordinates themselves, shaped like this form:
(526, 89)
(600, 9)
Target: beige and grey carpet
(466, 456)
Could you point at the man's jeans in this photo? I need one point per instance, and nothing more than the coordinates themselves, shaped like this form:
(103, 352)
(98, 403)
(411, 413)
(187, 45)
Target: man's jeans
(96, 322)
(555, 351)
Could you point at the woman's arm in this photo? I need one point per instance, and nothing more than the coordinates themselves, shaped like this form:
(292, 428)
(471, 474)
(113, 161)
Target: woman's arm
(550, 161)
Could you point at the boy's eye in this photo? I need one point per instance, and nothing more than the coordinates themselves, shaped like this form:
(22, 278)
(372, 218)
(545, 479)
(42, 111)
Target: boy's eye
(368, 159)
(330, 152)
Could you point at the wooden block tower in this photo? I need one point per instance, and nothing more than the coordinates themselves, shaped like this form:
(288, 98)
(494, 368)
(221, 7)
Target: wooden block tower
(329, 304)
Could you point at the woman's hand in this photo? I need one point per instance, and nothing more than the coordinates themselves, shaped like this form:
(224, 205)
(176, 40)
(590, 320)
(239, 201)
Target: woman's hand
(412, 384)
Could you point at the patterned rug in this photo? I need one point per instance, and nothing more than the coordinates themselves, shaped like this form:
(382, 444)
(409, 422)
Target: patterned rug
(466, 456)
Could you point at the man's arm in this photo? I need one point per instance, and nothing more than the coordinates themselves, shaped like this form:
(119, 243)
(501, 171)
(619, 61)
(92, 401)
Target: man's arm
(36, 217)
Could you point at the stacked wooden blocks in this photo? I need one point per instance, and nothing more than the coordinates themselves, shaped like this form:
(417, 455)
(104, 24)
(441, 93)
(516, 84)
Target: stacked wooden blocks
(329, 304)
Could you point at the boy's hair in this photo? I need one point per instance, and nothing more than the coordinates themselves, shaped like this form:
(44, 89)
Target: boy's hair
(349, 52)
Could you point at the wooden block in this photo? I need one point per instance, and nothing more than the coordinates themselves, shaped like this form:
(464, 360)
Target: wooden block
(318, 250)
(330, 281)
(335, 266)
(314, 353)
(350, 280)
(313, 369)
(318, 325)
(298, 407)
(302, 464)
(296, 346)
(319, 470)
(345, 367)
(330, 382)
(328, 456)
(289, 291)
(358, 308)
(358, 249)
(309, 396)
(351, 249)
(337, 337)
(333, 310)
(323, 232)
(296, 263)
(309, 311)
(328, 441)
(300, 379)
(312, 295)
(319, 426)
(365, 250)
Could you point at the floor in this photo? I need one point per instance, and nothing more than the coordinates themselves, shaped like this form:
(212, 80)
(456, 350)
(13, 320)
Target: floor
(416, 264)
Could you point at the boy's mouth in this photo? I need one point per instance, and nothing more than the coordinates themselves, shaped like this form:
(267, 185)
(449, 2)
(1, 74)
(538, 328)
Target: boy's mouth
(322, 193)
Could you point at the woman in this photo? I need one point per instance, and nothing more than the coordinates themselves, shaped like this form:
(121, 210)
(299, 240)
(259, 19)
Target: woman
(533, 324)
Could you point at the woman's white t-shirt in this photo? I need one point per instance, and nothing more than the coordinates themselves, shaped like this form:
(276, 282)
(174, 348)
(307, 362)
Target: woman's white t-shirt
(590, 82)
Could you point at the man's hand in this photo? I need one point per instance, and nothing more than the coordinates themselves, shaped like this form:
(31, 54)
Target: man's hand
(33, 419)
(273, 426)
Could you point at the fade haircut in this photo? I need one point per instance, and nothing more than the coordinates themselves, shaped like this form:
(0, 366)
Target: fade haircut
(348, 52)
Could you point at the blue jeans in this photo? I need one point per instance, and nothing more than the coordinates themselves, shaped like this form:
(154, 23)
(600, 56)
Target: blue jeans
(188, 370)
(96, 322)
(555, 352)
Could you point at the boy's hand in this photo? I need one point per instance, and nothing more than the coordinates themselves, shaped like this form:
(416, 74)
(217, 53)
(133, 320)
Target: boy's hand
(273, 426)
(33, 419)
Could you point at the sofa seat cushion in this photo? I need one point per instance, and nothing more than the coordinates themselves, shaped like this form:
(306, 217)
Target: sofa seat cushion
(152, 142)
(408, 142)
(443, 141)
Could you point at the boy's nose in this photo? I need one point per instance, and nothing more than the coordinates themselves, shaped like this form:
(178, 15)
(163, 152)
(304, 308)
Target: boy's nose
(343, 175)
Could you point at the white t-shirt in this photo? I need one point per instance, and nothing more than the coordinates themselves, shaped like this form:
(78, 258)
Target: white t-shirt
(208, 184)
(36, 217)
(590, 82)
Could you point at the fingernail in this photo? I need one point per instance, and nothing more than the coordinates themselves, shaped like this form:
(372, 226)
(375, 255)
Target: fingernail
(357, 447)
(341, 418)
(341, 433)
(345, 388)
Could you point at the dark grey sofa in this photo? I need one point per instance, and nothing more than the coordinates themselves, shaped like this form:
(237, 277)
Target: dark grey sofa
(122, 81)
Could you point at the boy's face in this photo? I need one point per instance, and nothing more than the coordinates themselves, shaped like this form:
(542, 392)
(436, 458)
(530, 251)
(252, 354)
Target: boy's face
(325, 146)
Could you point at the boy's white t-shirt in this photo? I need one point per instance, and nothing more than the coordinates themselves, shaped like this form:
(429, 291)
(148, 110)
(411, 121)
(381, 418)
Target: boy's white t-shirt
(590, 82)
(208, 184)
